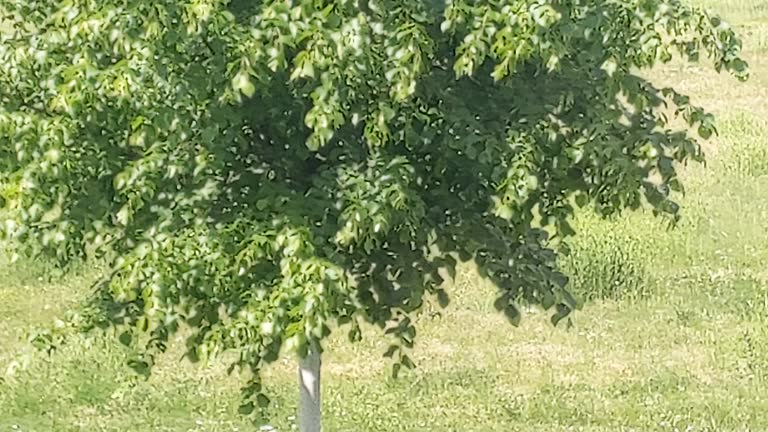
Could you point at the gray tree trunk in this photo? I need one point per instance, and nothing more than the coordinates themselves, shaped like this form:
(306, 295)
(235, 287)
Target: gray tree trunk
(309, 391)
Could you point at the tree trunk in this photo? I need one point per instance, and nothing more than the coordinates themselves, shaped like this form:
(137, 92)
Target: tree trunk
(309, 391)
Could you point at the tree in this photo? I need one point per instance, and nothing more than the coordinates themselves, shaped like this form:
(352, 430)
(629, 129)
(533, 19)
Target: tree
(265, 172)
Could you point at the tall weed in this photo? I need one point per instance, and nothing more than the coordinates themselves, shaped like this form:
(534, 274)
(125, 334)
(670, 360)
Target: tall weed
(745, 153)
(607, 261)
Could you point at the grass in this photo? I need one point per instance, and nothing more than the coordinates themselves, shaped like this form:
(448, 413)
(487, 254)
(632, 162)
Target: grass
(690, 354)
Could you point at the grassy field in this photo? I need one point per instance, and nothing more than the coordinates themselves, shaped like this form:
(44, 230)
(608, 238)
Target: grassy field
(686, 350)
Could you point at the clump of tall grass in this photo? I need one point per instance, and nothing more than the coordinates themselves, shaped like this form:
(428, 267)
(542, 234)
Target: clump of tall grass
(607, 260)
(745, 152)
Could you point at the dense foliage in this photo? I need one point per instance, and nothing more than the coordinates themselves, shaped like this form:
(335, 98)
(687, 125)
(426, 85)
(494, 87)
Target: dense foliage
(261, 171)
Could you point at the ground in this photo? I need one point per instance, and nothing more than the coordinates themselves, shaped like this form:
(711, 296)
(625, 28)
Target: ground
(686, 351)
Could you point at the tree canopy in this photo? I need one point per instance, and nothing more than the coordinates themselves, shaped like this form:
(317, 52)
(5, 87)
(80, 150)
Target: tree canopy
(262, 172)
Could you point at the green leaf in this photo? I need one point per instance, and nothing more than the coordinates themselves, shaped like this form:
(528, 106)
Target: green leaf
(513, 315)
(125, 338)
(391, 350)
(396, 370)
(406, 362)
(705, 132)
(248, 89)
(562, 312)
(262, 400)
(242, 82)
(246, 409)
(442, 298)
(609, 66)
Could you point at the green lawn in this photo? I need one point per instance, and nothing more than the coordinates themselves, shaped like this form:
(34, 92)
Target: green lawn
(687, 351)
